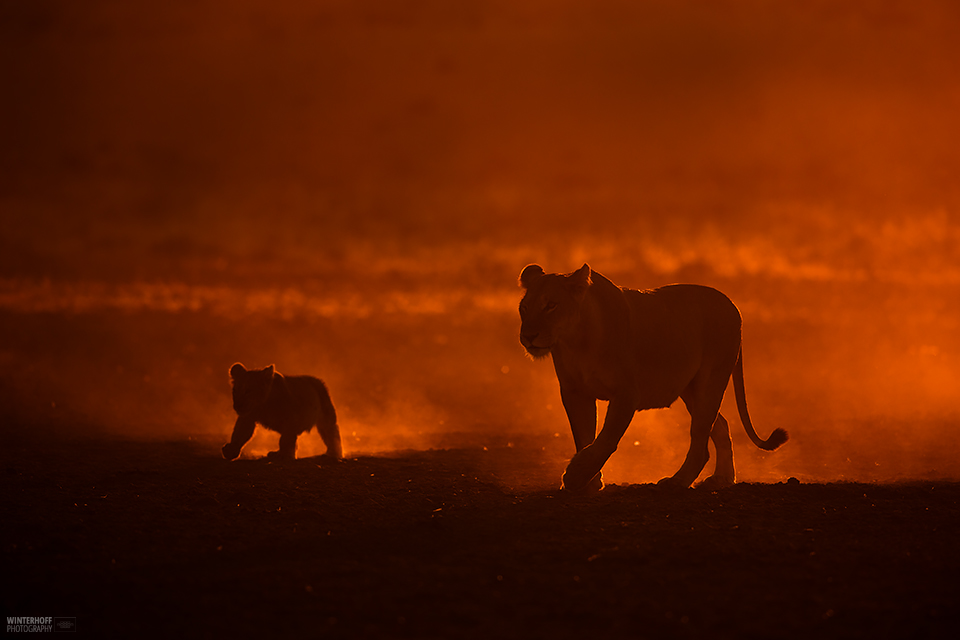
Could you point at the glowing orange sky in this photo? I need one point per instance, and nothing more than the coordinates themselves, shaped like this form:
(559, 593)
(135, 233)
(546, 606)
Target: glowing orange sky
(375, 169)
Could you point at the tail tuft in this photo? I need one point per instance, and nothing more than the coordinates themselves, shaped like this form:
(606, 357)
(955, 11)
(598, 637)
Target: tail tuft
(777, 438)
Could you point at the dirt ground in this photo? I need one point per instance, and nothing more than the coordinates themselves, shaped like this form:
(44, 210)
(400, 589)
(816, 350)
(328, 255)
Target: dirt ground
(156, 539)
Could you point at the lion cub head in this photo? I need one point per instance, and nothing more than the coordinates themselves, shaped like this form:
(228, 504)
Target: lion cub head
(550, 309)
(251, 387)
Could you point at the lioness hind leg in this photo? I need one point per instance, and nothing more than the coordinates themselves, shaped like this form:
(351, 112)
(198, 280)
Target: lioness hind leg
(703, 403)
(724, 475)
(697, 455)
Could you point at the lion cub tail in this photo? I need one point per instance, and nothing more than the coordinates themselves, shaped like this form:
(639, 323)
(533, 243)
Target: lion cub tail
(778, 437)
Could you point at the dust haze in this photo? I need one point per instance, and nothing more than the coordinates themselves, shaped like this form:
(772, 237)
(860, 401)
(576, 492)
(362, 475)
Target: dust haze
(350, 190)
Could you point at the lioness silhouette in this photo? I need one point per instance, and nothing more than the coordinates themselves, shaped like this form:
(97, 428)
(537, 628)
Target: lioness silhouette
(638, 350)
(288, 405)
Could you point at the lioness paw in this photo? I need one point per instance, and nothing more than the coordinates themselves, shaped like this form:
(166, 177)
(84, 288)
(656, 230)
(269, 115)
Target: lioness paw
(581, 475)
(595, 485)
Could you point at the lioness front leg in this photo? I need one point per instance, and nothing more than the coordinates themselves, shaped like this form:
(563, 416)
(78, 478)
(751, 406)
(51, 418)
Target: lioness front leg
(589, 460)
(581, 411)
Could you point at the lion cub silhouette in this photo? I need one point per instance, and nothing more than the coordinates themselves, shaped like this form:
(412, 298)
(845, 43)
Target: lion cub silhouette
(288, 405)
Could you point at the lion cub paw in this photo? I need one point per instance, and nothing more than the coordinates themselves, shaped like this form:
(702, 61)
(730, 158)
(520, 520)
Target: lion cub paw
(714, 483)
(230, 452)
(672, 483)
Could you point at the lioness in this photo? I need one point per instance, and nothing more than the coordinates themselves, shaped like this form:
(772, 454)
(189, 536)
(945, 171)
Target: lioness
(289, 405)
(639, 350)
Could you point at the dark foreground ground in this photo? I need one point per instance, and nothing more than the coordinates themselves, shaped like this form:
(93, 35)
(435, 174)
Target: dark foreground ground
(141, 539)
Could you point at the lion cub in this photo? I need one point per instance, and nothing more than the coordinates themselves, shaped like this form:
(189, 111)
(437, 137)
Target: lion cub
(288, 405)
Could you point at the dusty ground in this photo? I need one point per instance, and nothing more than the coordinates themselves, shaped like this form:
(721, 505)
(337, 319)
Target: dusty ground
(161, 539)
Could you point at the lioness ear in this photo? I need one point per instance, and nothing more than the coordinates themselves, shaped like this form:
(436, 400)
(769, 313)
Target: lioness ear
(271, 369)
(530, 274)
(580, 280)
(237, 370)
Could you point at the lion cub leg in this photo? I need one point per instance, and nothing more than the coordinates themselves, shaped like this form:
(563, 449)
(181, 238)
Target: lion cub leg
(288, 448)
(242, 432)
(330, 434)
(724, 475)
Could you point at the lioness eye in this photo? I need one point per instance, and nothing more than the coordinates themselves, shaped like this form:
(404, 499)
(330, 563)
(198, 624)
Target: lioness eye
(550, 307)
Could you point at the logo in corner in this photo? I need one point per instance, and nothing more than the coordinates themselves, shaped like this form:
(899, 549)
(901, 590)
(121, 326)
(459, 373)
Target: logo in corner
(64, 624)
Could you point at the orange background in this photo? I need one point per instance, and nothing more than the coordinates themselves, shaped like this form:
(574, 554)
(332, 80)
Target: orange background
(350, 190)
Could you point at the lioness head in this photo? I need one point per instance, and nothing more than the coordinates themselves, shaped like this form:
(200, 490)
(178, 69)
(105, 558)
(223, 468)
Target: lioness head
(250, 387)
(550, 309)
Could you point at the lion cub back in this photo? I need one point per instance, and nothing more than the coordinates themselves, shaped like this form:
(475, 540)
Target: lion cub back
(307, 394)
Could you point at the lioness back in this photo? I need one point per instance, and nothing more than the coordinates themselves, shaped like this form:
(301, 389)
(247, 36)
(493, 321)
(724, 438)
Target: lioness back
(676, 330)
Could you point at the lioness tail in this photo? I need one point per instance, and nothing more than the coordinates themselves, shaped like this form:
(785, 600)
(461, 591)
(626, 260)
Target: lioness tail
(778, 437)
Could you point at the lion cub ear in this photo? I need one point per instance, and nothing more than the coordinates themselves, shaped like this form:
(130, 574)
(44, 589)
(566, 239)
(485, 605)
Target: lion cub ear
(237, 370)
(530, 274)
